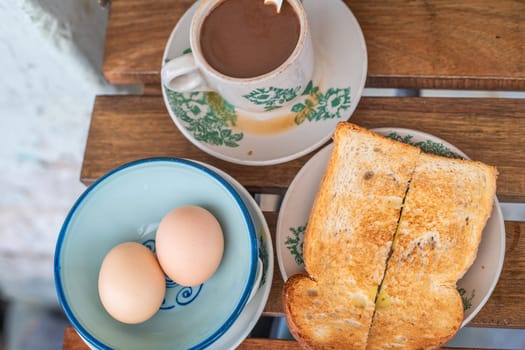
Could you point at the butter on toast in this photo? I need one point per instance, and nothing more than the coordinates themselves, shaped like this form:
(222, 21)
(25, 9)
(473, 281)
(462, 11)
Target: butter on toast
(348, 239)
(445, 210)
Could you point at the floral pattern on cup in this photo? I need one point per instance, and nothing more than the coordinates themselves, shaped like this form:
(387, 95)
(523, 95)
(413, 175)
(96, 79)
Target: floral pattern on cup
(319, 105)
(272, 98)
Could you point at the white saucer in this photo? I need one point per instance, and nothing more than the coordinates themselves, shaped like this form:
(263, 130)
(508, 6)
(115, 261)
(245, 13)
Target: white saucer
(479, 281)
(225, 132)
(253, 310)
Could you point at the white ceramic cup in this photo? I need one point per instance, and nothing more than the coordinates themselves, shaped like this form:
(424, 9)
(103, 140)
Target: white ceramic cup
(191, 72)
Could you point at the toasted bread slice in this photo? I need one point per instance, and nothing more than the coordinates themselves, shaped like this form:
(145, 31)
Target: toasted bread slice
(348, 239)
(445, 210)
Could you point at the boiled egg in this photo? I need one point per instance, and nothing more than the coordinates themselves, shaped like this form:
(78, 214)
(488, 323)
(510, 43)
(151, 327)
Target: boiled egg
(131, 283)
(189, 245)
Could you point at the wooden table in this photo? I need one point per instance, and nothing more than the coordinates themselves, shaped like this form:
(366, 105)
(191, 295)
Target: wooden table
(411, 44)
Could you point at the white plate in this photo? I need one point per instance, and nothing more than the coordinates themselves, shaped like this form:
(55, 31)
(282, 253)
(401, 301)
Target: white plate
(225, 132)
(253, 310)
(477, 284)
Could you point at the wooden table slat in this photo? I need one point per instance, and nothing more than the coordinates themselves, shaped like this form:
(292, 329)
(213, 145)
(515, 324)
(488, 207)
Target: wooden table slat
(416, 44)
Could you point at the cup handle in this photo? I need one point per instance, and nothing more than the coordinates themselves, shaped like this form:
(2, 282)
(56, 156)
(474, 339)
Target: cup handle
(257, 281)
(181, 74)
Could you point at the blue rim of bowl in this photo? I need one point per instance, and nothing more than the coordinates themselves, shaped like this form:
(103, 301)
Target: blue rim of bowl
(247, 218)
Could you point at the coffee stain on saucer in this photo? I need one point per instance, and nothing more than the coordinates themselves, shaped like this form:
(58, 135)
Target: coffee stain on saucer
(249, 123)
(268, 125)
(256, 126)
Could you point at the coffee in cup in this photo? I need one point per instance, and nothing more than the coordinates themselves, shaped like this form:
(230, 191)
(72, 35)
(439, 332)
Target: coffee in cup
(246, 38)
(244, 48)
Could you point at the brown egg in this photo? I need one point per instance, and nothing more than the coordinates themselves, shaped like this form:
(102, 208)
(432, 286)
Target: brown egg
(131, 284)
(189, 245)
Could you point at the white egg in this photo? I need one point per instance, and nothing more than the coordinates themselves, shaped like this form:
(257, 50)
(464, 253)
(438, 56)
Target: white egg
(189, 245)
(131, 284)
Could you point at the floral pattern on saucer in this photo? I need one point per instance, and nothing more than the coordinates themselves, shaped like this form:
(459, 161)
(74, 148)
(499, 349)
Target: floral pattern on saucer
(211, 119)
(207, 116)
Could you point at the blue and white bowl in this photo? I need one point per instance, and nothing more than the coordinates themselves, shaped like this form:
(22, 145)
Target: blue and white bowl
(126, 205)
